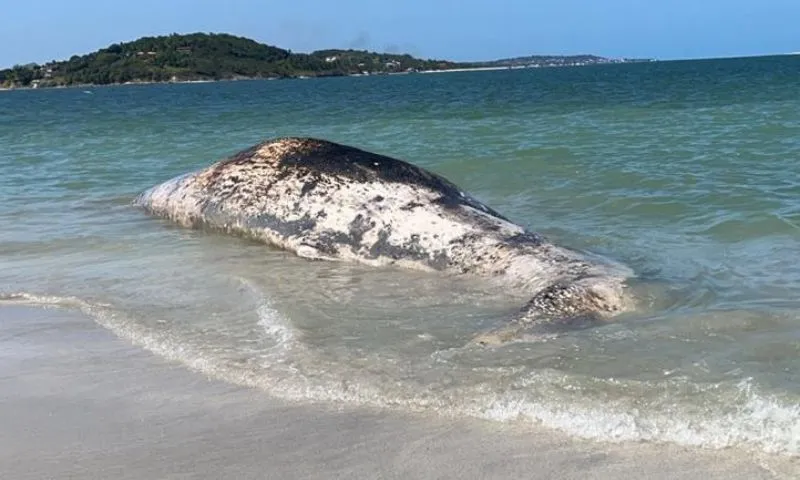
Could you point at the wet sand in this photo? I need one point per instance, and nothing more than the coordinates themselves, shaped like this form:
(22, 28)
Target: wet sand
(78, 402)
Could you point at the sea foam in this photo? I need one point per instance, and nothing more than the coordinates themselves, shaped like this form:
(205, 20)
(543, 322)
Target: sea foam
(715, 415)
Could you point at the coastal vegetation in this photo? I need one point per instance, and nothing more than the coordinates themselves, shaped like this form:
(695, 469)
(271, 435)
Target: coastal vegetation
(215, 56)
(202, 56)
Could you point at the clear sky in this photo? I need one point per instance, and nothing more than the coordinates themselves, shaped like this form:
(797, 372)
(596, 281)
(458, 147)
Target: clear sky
(43, 30)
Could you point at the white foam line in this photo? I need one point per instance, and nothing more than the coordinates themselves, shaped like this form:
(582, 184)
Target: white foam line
(275, 325)
(760, 422)
(24, 298)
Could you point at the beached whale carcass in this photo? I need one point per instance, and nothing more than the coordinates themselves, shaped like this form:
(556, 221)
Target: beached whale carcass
(324, 200)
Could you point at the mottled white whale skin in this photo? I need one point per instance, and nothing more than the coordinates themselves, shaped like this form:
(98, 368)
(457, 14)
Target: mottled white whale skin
(324, 200)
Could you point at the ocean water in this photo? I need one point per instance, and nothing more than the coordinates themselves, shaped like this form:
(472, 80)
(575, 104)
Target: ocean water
(687, 172)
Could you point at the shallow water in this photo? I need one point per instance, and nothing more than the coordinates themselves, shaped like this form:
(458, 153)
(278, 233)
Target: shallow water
(684, 171)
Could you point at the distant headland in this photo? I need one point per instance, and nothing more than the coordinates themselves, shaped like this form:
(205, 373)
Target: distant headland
(209, 57)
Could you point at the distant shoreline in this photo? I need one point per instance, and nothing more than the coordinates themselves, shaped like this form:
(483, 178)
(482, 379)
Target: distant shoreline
(302, 77)
(207, 57)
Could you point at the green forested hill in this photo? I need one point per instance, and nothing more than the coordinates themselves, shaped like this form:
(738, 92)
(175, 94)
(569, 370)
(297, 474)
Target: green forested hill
(201, 56)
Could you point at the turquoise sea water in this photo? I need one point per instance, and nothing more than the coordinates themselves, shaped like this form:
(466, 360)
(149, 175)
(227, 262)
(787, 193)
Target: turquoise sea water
(687, 172)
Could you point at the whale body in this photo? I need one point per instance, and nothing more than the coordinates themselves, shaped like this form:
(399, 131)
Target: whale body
(324, 200)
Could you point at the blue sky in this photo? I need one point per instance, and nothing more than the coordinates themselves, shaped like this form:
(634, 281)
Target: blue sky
(45, 30)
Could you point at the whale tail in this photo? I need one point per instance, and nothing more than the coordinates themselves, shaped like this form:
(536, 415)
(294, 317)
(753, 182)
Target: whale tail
(561, 306)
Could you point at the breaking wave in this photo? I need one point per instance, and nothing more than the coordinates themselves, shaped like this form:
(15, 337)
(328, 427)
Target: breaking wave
(715, 415)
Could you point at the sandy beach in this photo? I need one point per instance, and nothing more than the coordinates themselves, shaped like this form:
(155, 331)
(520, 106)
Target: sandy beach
(77, 402)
